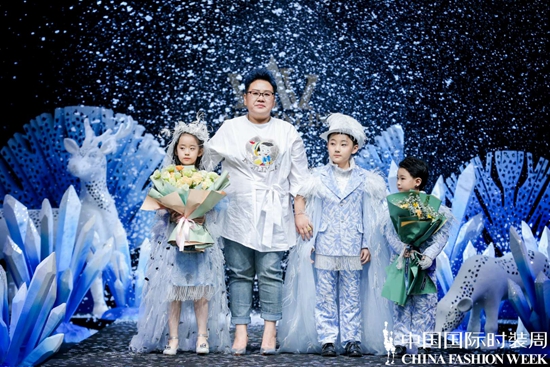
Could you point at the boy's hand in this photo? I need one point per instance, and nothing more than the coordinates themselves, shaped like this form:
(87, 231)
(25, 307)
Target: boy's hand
(425, 262)
(365, 256)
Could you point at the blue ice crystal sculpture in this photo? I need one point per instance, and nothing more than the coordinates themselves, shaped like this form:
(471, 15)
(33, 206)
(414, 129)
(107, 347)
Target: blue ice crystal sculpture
(75, 259)
(487, 200)
(387, 149)
(532, 304)
(125, 177)
(34, 317)
(491, 203)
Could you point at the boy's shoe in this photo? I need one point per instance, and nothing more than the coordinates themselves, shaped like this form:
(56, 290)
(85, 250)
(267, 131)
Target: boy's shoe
(400, 350)
(328, 350)
(353, 349)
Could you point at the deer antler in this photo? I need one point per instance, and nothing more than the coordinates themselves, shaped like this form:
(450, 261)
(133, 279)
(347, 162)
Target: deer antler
(125, 128)
(91, 140)
(89, 136)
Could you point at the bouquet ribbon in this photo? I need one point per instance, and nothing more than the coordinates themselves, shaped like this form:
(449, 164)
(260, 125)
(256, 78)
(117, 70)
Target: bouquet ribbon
(189, 230)
(185, 225)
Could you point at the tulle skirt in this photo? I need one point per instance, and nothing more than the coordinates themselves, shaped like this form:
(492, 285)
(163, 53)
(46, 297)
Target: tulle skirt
(171, 275)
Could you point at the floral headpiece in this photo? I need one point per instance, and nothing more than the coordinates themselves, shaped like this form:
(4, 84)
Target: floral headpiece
(196, 128)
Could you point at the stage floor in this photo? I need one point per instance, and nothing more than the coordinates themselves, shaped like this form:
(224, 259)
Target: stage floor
(109, 347)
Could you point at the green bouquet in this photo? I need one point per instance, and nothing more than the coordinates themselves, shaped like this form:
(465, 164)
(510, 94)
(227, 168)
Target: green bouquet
(415, 217)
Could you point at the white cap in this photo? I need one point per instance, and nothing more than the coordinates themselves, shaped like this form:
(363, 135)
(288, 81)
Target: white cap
(343, 124)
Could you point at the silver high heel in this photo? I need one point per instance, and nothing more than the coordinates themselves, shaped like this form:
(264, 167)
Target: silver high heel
(168, 349)
(240, 351)
(202, 348)
(268, 351)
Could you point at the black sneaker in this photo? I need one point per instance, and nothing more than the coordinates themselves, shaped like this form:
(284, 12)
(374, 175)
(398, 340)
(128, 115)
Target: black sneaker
(400, 350)
(353, 350)
(328, 350)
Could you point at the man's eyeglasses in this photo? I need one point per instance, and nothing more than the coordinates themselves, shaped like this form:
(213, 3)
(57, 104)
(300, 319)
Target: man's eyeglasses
(256, 94)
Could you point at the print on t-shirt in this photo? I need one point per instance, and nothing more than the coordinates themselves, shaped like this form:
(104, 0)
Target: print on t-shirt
(262, 153)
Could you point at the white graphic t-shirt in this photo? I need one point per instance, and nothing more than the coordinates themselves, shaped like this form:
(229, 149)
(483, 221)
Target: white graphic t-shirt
(266, 163)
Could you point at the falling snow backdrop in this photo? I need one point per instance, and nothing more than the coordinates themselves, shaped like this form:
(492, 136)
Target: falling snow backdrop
(463, 78)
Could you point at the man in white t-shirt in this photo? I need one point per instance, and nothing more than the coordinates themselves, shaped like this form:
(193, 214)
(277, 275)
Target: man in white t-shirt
(266, 161)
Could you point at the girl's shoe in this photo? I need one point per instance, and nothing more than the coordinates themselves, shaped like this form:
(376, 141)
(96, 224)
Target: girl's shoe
(203, 348)
(168, 349)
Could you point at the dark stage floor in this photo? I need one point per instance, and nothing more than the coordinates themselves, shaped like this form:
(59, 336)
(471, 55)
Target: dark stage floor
(109, 347)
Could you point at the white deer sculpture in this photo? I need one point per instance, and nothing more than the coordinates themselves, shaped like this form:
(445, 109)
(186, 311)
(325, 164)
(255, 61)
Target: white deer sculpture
(89, 164)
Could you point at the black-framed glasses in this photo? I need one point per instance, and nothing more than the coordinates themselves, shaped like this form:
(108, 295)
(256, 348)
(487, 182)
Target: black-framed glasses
(256, 94)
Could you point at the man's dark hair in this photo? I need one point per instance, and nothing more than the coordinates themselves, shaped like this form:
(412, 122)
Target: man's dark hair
(259, 74)
(417, 168)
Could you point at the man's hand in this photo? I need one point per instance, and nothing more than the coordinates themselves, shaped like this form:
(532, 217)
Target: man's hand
(303, 226)
(365, 256)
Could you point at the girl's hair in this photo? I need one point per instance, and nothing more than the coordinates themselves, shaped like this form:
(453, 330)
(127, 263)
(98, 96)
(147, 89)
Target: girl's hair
(353, 140)
(175, 150)
(417, 168)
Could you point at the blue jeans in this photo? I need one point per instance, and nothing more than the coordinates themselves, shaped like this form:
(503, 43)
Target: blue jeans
(243, 264)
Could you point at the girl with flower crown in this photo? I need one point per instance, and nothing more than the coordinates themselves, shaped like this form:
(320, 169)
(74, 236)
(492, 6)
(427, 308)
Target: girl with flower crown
(184, 303)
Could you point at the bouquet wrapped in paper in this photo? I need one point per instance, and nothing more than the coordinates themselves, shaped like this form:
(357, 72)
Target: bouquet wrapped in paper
(191, 194)
(415, 217)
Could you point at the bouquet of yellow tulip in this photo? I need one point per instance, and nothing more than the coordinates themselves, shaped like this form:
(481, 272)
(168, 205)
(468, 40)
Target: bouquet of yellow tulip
(191, 193)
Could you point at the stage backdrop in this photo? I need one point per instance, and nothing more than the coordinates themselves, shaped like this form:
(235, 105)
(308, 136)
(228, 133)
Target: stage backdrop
(463, 78)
